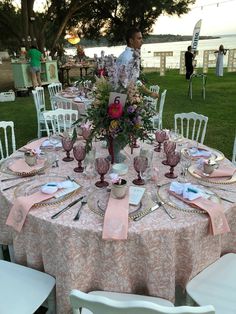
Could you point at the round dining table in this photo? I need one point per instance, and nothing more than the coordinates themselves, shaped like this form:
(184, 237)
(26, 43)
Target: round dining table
(159, 253)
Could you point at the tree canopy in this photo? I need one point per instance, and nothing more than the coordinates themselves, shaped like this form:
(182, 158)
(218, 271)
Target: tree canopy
(93, 18)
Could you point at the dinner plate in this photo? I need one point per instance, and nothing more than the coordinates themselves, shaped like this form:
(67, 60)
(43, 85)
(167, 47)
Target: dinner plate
(216, 154)
(171, 200)
(4, 167)
(220, 180)
(27, 188)
(98, 200)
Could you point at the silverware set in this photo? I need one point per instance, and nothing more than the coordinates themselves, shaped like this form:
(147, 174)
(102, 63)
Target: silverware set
(67, 207)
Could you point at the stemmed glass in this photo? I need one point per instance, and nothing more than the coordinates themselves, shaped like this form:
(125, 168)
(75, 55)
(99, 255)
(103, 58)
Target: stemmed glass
(169, 146)
(67, 144)
(140, 165)
(161, 136)
(173, 159)
(102, 166)
(185, 162)
(79, 153)
(86, 133)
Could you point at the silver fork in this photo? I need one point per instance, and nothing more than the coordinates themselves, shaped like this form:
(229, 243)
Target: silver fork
(83, 202)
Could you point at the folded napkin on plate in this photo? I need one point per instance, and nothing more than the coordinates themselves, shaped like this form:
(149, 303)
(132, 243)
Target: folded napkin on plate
(47, 143)
(35, 144)
(222, 171)
(21, 207)
(198, 152)
(185, 192)
(115, 226)
(80, 98)
(19, 165)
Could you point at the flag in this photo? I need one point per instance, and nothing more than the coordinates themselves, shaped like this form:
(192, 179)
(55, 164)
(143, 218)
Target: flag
(196, 34)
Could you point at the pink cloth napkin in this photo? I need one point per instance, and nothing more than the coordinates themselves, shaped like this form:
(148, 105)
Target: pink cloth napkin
(21, 207)
(218, 223)
(35, 144)
(115, 225)
(20, 165)
(222, 171)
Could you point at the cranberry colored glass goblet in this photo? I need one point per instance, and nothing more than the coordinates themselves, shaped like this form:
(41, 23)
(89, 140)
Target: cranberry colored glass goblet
(173, 159)
(67, 144)
(140, 165)
(161, 136)
(79, 154)
(169, 146)
(102, 166)
(86, 133)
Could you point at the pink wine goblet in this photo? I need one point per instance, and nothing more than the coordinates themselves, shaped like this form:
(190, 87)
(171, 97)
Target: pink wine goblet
(173, 159)
(140, 165)
(79, 154)
(160, 136)
(169, 146)
(67, 144)
(102, 166)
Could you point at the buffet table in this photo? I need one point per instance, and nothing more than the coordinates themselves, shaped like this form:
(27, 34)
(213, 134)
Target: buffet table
(159, 252)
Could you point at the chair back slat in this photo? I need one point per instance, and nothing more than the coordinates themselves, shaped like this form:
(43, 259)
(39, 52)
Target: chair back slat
(7, 139)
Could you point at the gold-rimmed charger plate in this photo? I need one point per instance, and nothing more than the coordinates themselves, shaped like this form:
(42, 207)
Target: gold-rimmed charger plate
(220, 180)
(27, 188)
(216, 154)
(171, 200)
(98, 200)
(4, 167)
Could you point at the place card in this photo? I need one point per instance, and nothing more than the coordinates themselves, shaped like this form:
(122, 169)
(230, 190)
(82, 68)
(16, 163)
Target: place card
(135, 194)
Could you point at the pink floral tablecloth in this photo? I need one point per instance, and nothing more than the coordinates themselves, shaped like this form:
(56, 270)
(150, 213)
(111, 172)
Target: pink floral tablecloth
(159, 253)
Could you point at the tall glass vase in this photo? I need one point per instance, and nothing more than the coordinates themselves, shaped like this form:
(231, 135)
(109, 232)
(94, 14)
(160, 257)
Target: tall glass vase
(114, 148)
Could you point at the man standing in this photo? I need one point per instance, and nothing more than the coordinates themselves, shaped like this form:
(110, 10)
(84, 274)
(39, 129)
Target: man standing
(134, 42)
(35, 57)
(189, 57)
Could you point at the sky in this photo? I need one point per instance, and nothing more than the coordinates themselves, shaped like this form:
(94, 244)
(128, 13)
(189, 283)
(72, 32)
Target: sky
(218, 18)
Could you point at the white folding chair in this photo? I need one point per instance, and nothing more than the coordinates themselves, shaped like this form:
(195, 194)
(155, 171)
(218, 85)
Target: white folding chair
(154, 88)
(61, 103)
(60, 119)
(53, 89)
(7, 139)
(234, 152)
(23, 290)
(216, 285)
(102, 302)
(157, 118)
(39, 101)
(191, 125)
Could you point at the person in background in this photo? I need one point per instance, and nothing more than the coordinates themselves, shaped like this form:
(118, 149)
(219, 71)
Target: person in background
(189, 57)
(220, 60)
(35, 57)
(134, 42)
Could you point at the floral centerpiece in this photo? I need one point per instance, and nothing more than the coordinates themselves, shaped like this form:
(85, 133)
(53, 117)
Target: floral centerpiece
(118, 113)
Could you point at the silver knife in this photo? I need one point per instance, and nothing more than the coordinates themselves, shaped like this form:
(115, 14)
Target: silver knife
(67, 207)
(150, 210)
(161, 203)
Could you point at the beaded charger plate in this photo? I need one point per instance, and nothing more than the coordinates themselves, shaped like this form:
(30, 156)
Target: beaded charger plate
(219, 180)
(32, 186)
(216, 154)
(98, 200)
(5, 167)
(171, 200)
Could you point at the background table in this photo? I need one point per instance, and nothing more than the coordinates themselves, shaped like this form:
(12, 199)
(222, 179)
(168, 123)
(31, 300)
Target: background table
(159, 253)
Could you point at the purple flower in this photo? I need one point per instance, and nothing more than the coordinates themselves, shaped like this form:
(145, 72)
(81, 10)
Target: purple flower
(130, 109)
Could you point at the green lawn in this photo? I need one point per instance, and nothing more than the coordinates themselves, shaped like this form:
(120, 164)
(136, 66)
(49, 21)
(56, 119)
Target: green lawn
(219, 106)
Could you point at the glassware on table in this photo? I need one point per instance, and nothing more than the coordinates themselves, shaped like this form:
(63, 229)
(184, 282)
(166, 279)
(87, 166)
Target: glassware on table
(169, 146)
(86, 133)
(79, 152)
(67, 144)
(185, 163)
(174, 135)
(173, 159)
(160, 136)
(140, 165)
(102, 166)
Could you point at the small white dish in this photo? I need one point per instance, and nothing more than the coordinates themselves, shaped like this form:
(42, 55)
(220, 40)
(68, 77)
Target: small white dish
(120, 168)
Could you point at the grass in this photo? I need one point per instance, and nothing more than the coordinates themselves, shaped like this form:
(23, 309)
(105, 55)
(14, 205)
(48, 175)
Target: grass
(219, 106)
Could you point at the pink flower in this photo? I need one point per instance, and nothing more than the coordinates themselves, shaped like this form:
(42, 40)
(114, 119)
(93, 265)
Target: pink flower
(115, 111)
